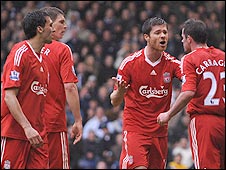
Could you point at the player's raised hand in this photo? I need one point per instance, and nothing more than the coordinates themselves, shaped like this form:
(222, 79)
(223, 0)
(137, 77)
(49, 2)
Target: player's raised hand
(122, 84)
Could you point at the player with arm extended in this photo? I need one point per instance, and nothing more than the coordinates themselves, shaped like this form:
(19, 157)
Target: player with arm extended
(144, 83)
(203, 89)
(62, 89)
(24, 88)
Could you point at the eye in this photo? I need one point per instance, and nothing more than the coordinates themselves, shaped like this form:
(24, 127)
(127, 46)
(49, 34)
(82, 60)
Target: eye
(157, 32)
(165, 32)
(62, 22)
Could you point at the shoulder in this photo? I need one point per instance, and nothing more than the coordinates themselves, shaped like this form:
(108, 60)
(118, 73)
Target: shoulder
(57, 44)
(64, 47)
(219, 51)
(17, 57)
(21, 46)
(132, 58)
(190, 56)
(56, 47)
(19, 50)
(62, 44)
(169, 58)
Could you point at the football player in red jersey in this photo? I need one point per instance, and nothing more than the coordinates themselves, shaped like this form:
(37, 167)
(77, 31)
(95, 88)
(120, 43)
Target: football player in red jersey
(24, 86)
(62, 88)
(144, 82)
(203, 89)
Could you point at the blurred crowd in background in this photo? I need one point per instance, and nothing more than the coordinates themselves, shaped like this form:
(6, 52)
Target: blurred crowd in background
(101, 34)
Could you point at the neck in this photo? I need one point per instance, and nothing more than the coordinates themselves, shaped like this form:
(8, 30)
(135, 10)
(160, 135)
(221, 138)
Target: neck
(153, 55)
(37, 46)
(198, 46)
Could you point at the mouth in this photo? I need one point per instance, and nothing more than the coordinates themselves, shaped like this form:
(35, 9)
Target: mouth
(163, 43)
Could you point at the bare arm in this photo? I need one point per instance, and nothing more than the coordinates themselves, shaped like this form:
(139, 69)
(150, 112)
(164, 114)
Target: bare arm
(17, 113)
(116, 98)
(117, 95)
(181, 101)
(72, 97)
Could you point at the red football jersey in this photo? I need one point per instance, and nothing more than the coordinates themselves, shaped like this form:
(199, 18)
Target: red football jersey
(26, 70)
(150, 91)
(59, 59)
(204, 73)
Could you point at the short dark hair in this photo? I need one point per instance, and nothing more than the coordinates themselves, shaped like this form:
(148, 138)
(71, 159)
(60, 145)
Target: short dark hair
(31, 21)
(150, 22)
(53, 12)
(197, 29)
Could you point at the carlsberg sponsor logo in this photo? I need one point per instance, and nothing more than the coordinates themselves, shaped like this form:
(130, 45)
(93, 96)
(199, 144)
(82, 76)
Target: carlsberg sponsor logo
(38, 88)
(149, 92)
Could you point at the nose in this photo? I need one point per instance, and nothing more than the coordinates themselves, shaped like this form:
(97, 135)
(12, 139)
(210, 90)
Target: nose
(163, 35)
(65, 26)
(53, 29)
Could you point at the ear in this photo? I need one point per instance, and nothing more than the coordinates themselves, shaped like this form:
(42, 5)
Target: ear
(40, 29)
(189, 39)
(146, 37)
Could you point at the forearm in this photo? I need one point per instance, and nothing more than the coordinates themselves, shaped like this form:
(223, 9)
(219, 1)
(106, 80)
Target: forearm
(15, 109)
(73, 100)
(181, 101)
(116, 98)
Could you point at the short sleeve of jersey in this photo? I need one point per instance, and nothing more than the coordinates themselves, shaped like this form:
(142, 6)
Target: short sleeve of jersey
(67, 70)
(124, 70)
(14, 67)
(177, 65)
(189, 76)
